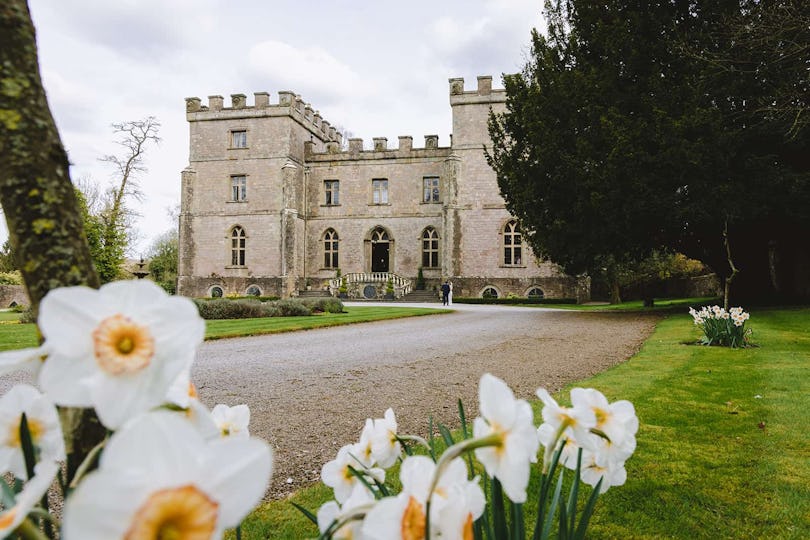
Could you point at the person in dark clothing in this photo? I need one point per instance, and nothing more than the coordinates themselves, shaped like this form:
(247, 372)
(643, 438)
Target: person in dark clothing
(445, 293)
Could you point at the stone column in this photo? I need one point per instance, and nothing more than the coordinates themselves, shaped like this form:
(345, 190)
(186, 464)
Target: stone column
(452, 234)
(186, 247)
(291, 184)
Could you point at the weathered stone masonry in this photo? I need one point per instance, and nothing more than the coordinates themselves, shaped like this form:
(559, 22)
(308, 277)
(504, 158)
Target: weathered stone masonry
(286, 157)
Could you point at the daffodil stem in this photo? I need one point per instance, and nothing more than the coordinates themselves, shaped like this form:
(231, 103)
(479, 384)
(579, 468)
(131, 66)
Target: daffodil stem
(86, 464)
(28, 531)
(414, 438)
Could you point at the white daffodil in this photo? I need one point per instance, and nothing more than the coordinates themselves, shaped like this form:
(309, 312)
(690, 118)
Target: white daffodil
(183, 394)
(43, 425)
(360, 501)
(549, 437)
(22, 360)
(35, 488)
(511, 421)
(117, 349)
(617, 420)
(454, 505)
(363, 449)
(337, 473)
(385, 448)
(158, 478)
(578, 418)
(596, 466)
(232, 421)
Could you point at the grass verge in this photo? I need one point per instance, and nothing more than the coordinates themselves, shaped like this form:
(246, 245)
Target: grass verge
(722, 447)
(18, 336)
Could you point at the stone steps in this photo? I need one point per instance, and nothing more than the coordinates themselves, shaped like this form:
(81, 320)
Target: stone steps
(425, 296)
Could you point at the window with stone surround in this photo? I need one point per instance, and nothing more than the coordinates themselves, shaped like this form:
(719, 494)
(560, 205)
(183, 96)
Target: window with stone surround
(331, 189)
(430, 248)
(238, 238)
(512, 244)
(330, 249)
(239, 138)
(430, 189)
(239, 188)
(379, 191)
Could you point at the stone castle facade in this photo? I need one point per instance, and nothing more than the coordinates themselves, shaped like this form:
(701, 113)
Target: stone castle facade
(272, 204)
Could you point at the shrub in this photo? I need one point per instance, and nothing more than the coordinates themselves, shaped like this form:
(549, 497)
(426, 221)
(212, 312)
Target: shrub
(223, 308)
(26, 314)
(292, 308)
(11, 278)
(721, 327)
(327, 305)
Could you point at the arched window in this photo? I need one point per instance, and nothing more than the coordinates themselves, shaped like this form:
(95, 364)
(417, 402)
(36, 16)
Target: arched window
(430, 248)
(238, 246)
(253, 290)
(330, 249)
(379, 235)
(512, 244)
(489, 292)
(216, 292)
(535, 293)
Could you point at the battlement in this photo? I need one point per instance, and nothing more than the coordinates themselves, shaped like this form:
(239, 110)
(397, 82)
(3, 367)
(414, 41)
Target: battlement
(380, 150)
(289, 104)
(482, 94)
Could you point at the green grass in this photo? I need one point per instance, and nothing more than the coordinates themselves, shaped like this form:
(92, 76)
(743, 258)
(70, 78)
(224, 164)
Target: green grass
(713, 460)
(660, 304)
(18, 336)
(272, 325)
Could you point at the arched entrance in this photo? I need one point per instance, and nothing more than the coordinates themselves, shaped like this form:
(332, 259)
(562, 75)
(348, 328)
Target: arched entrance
(380, 250)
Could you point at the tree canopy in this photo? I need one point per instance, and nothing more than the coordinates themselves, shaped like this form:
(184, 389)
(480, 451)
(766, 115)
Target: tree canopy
(642, 126)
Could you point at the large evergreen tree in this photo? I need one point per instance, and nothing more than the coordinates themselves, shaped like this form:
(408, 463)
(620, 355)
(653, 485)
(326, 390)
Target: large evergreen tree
(624, 134)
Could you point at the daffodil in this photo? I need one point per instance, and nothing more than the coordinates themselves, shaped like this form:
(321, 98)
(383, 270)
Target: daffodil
(331, 514)
(579, 418)
(616, 420)
(43, 426)
(158, 478)
(29, 359)
(385, 448)
(117, 349)
(338, 474)
(598, 466)
(455, 504)
(510, 421)
(232, 421)
(35, 488)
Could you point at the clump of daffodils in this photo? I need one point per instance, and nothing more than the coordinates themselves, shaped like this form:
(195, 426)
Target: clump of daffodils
(721, 327)
(444, 496)
(170, 468)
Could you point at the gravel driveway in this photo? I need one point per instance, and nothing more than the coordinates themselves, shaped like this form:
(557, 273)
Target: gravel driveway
(310, 392)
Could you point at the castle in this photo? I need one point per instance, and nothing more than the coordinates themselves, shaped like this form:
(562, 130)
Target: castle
(272, 204)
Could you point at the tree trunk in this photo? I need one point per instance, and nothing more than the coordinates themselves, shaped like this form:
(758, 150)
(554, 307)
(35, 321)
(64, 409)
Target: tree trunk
(45, 227)
(615, 292)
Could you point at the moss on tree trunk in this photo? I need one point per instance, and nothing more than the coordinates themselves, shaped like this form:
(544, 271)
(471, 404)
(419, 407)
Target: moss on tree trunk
(45, 227)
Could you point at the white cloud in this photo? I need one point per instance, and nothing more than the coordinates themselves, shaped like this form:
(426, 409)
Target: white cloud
(311, 72)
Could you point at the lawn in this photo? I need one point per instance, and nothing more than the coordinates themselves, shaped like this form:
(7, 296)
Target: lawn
(660, 304)
(272, 325)
(18, 336)
(722, 447)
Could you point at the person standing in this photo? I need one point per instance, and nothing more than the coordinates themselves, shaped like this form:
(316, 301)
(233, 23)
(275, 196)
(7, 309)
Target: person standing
(445, 293)
(450, 294)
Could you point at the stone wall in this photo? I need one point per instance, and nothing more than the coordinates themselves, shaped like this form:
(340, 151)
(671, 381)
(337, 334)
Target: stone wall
(13, 295)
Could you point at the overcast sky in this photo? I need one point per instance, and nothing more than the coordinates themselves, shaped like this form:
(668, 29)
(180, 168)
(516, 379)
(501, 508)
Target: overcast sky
(374, 68)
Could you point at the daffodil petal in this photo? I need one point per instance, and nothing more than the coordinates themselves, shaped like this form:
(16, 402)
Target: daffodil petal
(102, 505)
(238, 473)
